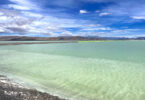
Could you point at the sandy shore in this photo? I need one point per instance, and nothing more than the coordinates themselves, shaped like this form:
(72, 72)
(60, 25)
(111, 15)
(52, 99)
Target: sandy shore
(10, 90)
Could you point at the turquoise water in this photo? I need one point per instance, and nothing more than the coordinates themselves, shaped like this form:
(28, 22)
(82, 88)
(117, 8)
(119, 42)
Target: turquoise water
(80, 71)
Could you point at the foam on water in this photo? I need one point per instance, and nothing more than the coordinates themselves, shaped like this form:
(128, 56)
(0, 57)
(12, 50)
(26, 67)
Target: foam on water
(79, 78)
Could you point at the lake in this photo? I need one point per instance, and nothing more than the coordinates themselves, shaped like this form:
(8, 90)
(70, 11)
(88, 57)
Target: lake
(113, 70)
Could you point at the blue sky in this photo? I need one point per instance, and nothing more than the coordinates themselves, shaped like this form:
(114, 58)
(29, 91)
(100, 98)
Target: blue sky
(106, 18)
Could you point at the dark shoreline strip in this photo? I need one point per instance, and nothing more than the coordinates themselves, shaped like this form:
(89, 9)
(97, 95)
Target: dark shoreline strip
(35, 43)
(10, 90)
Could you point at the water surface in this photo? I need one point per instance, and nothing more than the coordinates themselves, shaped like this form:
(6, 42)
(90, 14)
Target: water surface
(80, 71)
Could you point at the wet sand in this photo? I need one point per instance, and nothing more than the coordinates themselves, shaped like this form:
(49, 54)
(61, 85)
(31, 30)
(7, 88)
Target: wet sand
(10, 90)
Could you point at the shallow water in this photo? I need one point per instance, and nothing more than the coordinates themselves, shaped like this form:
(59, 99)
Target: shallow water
(80, 71)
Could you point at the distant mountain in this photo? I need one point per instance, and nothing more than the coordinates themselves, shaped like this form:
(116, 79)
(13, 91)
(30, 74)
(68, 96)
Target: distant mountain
(18, 38)
(140, 38)
(72, 38)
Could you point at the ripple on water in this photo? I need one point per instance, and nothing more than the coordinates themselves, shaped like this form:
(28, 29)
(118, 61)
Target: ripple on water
(76, 77)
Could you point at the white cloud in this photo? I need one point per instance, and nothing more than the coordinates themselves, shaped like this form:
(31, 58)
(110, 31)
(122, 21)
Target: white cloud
(94, 25)
(104, 14)
(66, 33)
(33, 23)
(114, 33)
(18, 7)
(126, 8)
(138, 17)
(3, 18)
(97, 11)
(83, 11)
(21, 2)
(1, 13)
(97, 29)
(31, 14)
(22, 5)
(97, 0)
(2, 30)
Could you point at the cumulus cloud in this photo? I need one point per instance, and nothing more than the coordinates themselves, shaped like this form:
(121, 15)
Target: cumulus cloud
(30, 14)
(25, 22)
(2, 30)
(1, 13)
(9, 13)
(97, 28)
(114, 33)
(3, 18)
(22, 5)
(104, 14)
(18, 7)
(83, 11)
(13, 21)
(66, 33)
(131, 8)
(138, 17)
(16, 29)
(29, 17)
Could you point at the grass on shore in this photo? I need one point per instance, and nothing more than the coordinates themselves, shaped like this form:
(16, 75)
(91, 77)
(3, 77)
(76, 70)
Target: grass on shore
(94, 41)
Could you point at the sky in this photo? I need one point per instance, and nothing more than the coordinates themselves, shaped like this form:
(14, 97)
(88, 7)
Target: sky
(50, 18)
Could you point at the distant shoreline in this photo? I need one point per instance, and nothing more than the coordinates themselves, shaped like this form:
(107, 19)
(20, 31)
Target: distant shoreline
(51, 42)
(35, 43)
(10, 90)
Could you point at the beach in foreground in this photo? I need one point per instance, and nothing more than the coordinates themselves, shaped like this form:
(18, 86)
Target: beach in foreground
(10, 90)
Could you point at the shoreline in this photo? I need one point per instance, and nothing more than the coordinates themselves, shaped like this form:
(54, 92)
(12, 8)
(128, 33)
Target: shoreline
(10, 90)
(35, 43)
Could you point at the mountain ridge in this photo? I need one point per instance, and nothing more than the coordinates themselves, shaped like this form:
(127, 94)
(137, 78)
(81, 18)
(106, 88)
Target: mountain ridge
(61, 38)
